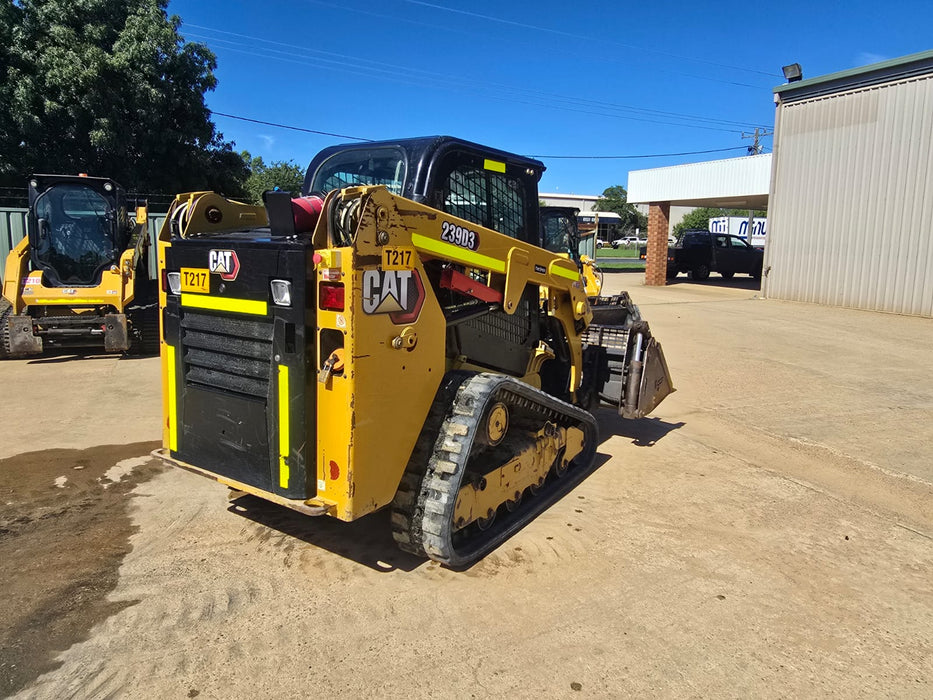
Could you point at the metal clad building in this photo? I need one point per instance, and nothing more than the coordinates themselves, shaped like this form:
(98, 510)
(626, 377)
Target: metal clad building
(850, 221)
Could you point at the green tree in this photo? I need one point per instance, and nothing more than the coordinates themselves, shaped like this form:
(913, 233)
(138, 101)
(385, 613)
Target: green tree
(110, 88)
(615, 199)
(286, 175)
(699, 218)
(9, 18)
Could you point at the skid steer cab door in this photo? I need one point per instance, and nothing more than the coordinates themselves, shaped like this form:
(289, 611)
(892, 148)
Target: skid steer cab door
(77, 227)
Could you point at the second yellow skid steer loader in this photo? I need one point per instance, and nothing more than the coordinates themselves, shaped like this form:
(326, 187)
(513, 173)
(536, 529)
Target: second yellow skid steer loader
(79, 278)
(397, 337)
(560, 234)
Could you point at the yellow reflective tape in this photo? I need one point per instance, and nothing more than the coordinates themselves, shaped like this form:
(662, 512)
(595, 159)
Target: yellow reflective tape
(73, 300)
(172, 399)
(239, 306)
(284, 420)
(573, 275)
(494, 165)
(458, 254)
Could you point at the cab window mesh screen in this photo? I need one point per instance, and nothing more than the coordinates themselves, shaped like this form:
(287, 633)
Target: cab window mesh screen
(486, 198)
(467, 195)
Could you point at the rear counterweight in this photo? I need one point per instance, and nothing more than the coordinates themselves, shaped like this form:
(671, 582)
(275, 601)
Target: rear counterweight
(238, 404)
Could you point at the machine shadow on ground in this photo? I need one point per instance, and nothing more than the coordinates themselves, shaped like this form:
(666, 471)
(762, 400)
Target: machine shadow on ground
(643, 432)
(367, 541)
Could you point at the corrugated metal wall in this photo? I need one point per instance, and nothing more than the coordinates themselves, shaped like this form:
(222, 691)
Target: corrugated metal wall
(13, 229)
(851, 207)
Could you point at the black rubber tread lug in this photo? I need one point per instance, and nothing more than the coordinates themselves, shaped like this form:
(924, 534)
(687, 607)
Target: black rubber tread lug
(448, 461)
(405, 513)
(144, 328)
(6, 310)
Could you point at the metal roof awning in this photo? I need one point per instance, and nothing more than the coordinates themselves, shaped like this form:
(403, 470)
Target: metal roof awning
(734, 183)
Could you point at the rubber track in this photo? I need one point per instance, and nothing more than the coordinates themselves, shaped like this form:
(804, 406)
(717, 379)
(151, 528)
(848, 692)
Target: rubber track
(422, 522)
(144, 333)
(6, 310)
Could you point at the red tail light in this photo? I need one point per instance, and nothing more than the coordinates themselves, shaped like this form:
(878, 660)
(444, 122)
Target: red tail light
(331, 297)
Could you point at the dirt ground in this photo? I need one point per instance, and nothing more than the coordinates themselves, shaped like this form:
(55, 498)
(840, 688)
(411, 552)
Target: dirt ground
(768, 533)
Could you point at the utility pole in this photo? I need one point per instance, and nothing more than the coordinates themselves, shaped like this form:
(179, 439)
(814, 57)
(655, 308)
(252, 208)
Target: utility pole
(754, 150)
(760, 133)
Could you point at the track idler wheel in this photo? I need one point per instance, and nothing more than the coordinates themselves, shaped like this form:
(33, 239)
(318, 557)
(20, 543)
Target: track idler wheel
(474, 492)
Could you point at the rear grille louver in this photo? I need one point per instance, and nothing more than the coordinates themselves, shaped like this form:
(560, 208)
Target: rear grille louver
(231, 354)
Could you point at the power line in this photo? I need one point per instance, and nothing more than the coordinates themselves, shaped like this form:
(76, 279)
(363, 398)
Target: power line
(360, 138)
(580, 36)
(448, 28)
(546, 104)
(287, 126)
(508, 93)
(650, 155)
(393, 70)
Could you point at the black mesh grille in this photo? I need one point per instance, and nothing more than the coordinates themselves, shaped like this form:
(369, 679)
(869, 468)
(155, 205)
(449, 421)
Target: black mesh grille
(229, 354)
(486, 198)
(609, 337)
(515, 328)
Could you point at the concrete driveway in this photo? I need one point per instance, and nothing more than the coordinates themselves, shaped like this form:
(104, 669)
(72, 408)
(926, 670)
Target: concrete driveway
(767, 533)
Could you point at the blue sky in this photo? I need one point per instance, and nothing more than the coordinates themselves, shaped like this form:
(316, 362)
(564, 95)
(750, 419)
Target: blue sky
(541, 78)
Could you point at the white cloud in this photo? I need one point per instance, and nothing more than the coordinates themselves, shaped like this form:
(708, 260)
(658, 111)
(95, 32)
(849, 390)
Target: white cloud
(865, 58)
(269, 141)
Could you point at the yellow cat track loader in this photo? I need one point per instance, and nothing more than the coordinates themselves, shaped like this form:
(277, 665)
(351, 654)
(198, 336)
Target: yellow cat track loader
(395, 338)
(79, 277)
(560, 234)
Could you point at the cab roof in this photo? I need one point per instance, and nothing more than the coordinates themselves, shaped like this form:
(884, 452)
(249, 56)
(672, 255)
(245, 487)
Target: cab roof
(421, 153)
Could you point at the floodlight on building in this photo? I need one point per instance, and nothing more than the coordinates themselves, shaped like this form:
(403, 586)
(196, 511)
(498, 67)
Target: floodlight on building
(792, 73)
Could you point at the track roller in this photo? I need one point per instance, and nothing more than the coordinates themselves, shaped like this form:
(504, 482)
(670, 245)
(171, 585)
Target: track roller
(494, 453)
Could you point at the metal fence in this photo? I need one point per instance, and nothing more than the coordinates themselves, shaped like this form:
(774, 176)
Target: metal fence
(13, 230)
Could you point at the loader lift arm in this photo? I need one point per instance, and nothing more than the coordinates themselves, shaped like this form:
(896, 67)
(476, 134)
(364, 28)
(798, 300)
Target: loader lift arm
(512, 264)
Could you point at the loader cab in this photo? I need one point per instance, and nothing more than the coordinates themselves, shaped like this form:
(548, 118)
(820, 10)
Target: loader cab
(492, 188)
(559, 231)
(77, 226)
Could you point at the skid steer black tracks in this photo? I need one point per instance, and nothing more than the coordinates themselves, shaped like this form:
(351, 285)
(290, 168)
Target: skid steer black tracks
(6, 311)
(423, 510)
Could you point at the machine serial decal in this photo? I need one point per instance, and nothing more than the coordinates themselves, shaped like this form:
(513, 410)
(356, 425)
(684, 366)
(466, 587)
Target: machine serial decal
(398, 258)
(194, 279)
(399, 293)
(541, 269)
(224, 263)
(463, 237)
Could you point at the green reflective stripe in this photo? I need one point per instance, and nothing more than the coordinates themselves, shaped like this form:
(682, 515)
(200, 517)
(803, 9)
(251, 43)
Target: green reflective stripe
(453, 252)
(172, 399)
(284, 420)
(573, 275)
(239, 306)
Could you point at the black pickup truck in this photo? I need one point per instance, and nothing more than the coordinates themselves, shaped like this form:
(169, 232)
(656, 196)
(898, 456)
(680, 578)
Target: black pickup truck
(700, 252)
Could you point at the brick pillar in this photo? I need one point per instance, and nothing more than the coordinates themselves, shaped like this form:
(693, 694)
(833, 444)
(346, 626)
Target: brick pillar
(659, 218)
